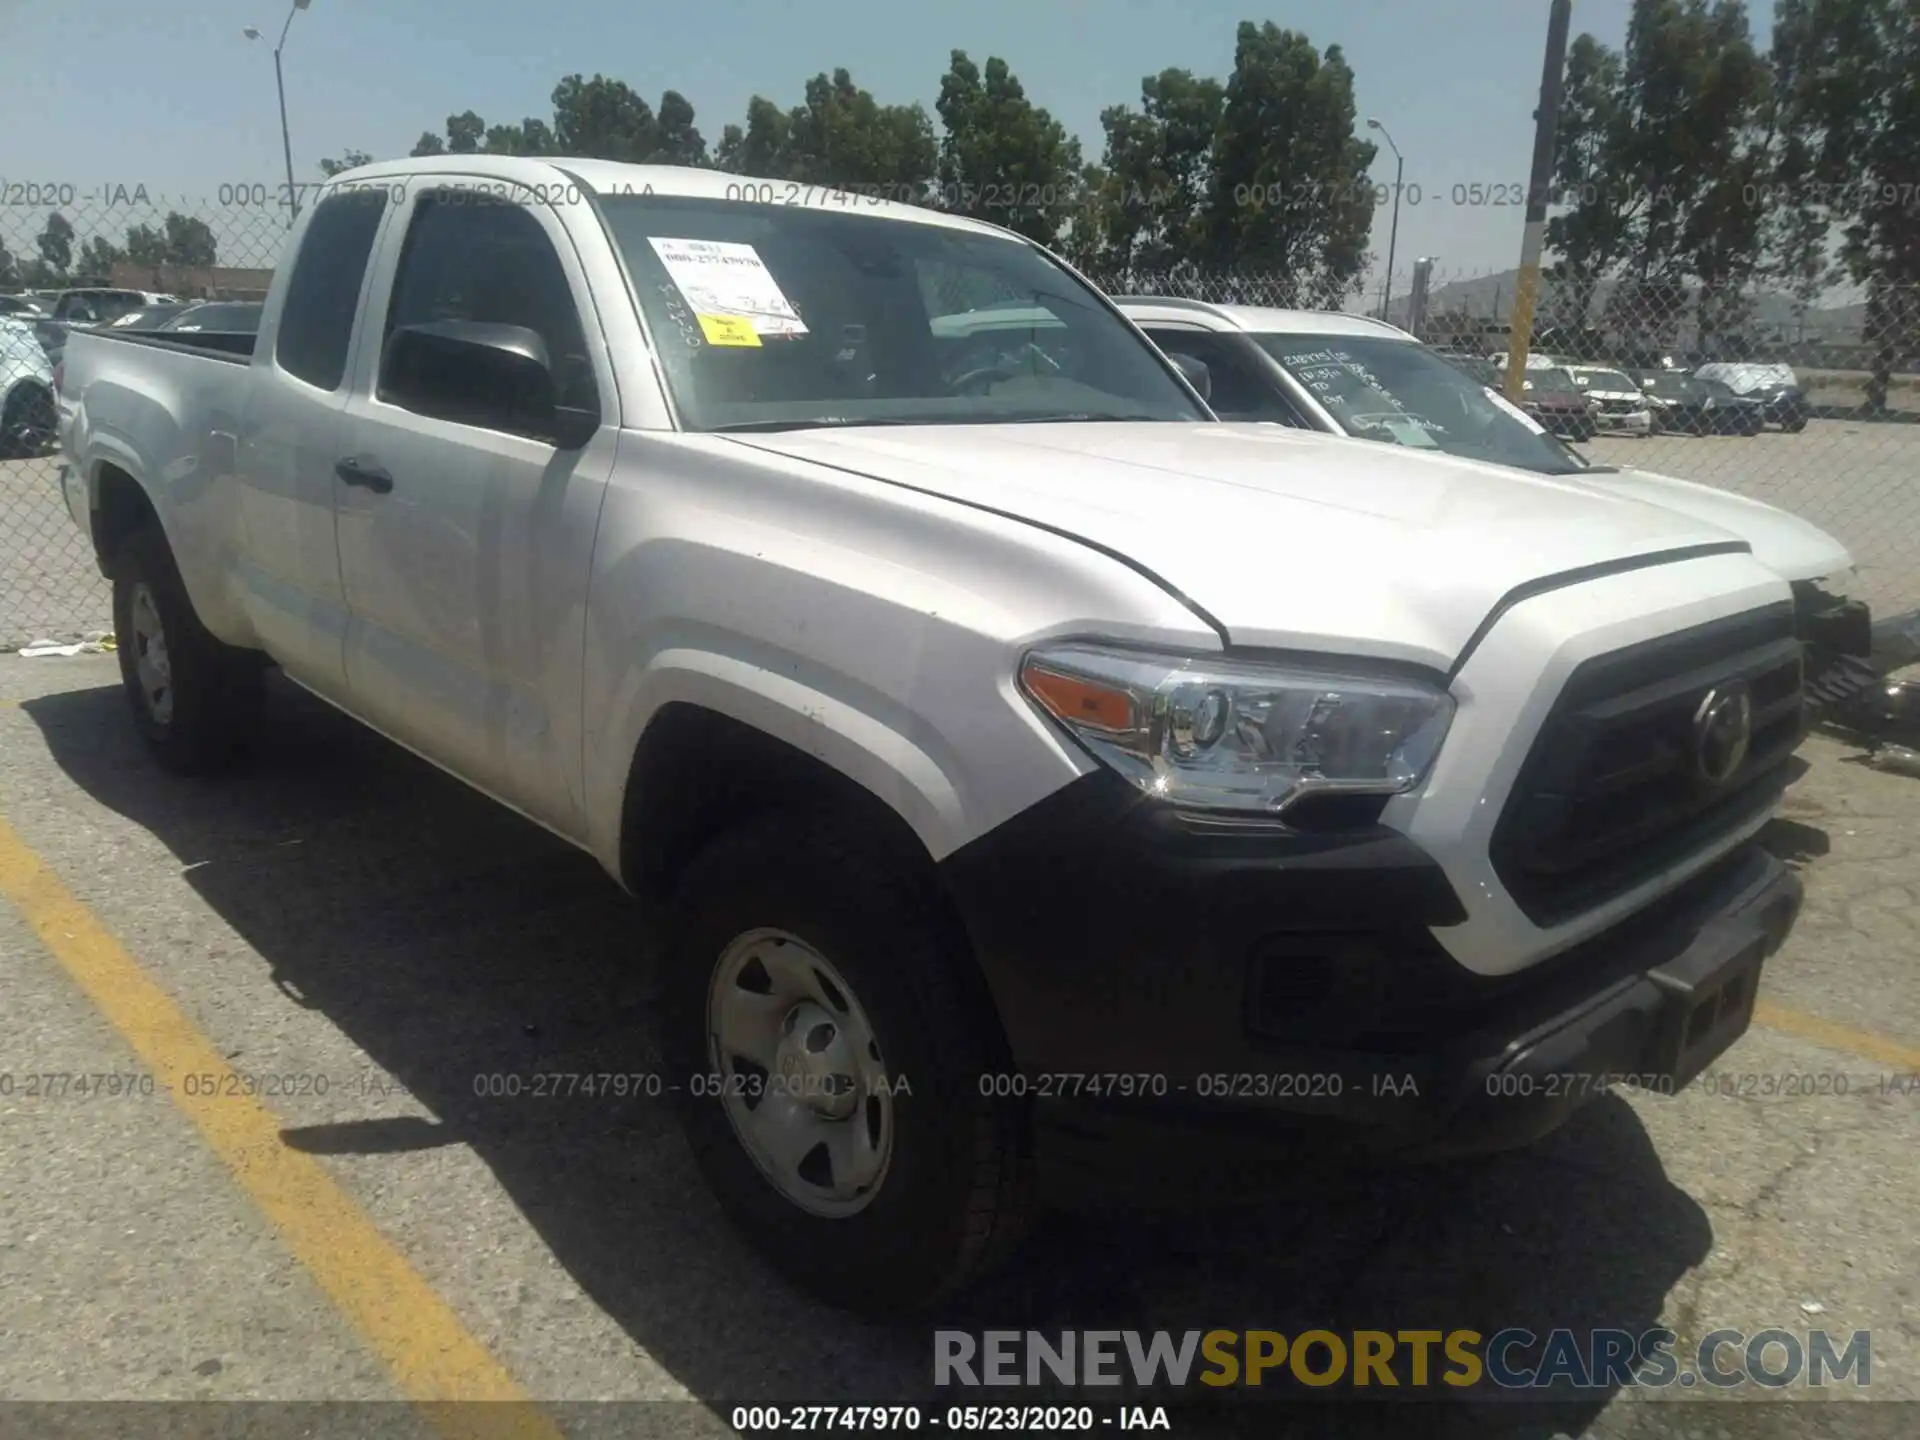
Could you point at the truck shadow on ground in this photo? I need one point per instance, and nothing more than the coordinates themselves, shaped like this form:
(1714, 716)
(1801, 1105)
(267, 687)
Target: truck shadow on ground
(452, 941)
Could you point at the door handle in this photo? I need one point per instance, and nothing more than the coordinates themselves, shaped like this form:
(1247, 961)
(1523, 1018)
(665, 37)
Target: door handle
(368, 477)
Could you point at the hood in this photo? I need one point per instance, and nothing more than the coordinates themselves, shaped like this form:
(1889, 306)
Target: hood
(1787, 545)
(1286, 538)
(1747, 377)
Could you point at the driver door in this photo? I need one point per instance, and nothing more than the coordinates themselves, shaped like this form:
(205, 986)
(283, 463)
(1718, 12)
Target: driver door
(465, 545)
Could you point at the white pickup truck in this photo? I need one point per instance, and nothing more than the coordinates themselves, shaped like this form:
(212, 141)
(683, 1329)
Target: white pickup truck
(1013, 747)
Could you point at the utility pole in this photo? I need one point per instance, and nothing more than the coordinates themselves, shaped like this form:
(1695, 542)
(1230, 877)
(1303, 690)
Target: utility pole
(280, 84)
(1533, 239)
(1393, 237)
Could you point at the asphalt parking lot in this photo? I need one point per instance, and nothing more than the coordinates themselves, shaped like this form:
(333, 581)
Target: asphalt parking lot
(1857, 480)
(361, 942)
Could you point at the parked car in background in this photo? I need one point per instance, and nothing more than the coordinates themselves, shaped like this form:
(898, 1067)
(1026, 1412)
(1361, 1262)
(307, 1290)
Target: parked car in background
(1619, 407)
(1775, 386)
(22, 307)
(1551, 395)
(150, 317)
(91, 305)
(27, 416)
(1349, 375)
(1547, 393)
(1684, 404)
(234, 317)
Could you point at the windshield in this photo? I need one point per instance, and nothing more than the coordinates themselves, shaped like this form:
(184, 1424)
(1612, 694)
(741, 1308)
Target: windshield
(1393, 390)
(1550, 381)
(1610, 380)
(786, 316)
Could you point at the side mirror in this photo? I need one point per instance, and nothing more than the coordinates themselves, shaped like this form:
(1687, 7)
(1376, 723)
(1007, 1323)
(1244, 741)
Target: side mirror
(474, 372)
(1196, 372)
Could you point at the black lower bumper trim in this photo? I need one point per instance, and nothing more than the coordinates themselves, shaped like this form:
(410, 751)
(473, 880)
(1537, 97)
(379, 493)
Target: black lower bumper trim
(1138, 992)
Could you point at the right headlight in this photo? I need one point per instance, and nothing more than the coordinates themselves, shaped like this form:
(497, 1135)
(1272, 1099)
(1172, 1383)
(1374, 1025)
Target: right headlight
(1218, 734)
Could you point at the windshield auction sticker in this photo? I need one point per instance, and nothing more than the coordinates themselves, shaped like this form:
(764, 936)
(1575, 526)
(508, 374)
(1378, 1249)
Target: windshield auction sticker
(730, 290)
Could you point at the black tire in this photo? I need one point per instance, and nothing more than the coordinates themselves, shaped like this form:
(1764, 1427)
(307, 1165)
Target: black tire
(216, 690)
(958, 1193)
(1795, 424)
(27, 424)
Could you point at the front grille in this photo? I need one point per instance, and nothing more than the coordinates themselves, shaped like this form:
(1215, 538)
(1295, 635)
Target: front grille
(1612, 792)
(1619, 407)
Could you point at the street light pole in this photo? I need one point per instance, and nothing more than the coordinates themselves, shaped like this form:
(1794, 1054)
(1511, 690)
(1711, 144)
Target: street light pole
(1393, 234)
(280, 84)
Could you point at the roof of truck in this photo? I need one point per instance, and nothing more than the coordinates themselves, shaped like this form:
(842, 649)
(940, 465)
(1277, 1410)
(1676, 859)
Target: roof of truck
(564, 176)
(1261, 319)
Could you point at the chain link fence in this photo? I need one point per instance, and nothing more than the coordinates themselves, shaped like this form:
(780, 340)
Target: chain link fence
(1810, 403)
(55, 242)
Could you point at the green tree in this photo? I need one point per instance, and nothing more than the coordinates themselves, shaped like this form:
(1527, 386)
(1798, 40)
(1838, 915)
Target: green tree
(1588, 234)
(352, 160)
(189, 240)
(1144, 201)
(603, 119)
(98, 257)
(680, 141)
(1844, 84)
(1660, 151)
(56, 245)
(760, 149)
(429, 143)
(465, 132)
(1003, 158)
(9, 269)
(840, 135)
(1692, 92)
(1288, 185)
(146, 245)
(530, 137)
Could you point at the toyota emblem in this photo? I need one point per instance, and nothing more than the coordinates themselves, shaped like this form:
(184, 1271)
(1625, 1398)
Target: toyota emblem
(1722, 732)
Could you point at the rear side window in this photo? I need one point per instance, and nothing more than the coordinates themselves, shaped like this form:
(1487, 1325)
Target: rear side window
(316, 322)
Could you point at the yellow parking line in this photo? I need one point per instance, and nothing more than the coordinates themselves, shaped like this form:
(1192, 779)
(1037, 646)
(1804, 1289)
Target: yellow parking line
(1836, 1036)
(434, 1359)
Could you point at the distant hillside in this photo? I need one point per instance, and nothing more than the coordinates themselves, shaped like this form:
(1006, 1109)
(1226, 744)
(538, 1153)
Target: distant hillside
(1491, 296)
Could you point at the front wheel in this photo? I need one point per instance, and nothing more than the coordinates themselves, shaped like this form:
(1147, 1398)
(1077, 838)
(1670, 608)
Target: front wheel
(193, 696)
(832, 1062)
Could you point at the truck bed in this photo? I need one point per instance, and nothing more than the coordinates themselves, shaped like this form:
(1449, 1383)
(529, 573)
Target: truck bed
(232, 345)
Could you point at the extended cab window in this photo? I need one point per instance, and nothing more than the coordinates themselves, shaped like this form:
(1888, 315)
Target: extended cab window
(792, 316)
(316, 322)
(489, 260)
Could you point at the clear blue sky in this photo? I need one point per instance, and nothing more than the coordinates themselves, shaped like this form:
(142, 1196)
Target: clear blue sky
(168, 92)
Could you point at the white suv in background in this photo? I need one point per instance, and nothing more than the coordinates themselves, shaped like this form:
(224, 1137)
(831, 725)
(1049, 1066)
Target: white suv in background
(26, 391)
(1620, 407)
(1350, 375)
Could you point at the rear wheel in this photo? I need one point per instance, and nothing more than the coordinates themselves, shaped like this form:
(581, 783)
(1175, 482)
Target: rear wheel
(833, 1063)
(193, 697)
